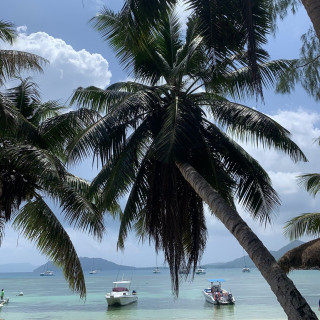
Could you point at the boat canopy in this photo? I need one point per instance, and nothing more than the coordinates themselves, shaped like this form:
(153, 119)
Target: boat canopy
(216, 280)
(122, 282)
(120, 289)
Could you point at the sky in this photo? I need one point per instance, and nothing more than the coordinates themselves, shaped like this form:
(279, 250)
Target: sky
(60, 32)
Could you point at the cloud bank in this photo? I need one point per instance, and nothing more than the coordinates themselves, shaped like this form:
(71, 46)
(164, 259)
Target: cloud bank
(68, 68)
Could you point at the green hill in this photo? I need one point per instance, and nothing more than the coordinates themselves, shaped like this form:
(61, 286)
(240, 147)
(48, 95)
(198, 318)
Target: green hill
(240, 262)
(87, 265)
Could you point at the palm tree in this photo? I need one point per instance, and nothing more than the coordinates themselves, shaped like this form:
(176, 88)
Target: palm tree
(33, 176)
(166, 144)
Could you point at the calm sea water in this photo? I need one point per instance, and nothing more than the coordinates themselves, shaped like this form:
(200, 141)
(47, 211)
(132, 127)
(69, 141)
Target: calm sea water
(49, 298)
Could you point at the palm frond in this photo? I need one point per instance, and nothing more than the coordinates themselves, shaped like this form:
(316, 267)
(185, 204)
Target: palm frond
(304, 224)
(7, 31)
(38, 223)
(13, 62)
(311, 182)
(247, 124)
(2, 225)
(252, 184)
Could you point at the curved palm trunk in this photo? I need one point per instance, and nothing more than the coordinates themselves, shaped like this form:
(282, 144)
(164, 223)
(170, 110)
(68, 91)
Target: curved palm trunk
(292, 302)
(313, 10)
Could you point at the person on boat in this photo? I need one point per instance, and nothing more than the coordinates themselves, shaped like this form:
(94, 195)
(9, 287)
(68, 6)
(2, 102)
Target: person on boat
(2, 294)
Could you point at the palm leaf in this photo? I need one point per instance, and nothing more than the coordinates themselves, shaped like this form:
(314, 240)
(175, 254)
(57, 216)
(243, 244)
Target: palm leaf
(248, 124)
(7, 31)
(311, 182)
(304, 224)
(13, 62)
(39, 224)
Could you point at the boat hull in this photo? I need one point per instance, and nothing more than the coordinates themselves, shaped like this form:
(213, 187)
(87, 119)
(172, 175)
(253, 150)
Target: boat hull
(216, 299)
(121, 300)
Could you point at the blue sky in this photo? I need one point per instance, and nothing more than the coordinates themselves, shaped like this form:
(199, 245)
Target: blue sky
(60, 31)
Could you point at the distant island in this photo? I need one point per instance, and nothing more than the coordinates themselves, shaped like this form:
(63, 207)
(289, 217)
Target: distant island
(89, 264)
(239, 262)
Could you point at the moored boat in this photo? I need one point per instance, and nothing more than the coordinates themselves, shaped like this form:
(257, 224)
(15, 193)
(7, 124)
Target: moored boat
(156, 270)
(245, 269)
(121, 294)
(201, 271)
(216, 295)
(4, 301)
(47, 273)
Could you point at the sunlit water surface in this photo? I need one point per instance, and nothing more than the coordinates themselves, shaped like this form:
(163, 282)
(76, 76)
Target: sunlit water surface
(49, 298)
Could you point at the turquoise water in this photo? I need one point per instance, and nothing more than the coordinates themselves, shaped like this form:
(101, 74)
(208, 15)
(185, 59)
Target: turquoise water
(49, 298)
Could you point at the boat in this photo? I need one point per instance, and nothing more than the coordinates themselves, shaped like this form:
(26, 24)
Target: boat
(201, 271)
(216, 295)
(47, 273)
(156, 270)
(245, 268)
(183, 271)
(121, 294)
(4, 301)
(93, 270)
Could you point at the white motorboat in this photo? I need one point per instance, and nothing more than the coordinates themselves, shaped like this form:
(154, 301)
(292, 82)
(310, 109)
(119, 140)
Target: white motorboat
(4, 301)
(201, 271)
(156, 270)
(47, 273)
(245, 269)
(121, 294)
(216, 295)
(93, 271)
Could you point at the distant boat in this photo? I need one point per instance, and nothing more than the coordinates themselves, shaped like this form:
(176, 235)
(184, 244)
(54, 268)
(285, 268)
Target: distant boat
(245, 268)
(156, 269)
(201, 271)
(47, 273)
(93, 270)
(120, 294)
(183, 271)
(216, 295)
(4, 301)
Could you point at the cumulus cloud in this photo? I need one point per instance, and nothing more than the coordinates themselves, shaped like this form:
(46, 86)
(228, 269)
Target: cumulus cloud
(68, 68)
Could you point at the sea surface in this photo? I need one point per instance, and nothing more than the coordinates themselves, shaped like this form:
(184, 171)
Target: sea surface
(49, 298)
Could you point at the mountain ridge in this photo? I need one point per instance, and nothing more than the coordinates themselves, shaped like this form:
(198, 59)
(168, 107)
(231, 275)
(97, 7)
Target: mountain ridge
(89, 264)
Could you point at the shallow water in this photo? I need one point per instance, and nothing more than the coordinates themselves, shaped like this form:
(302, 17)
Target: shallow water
(49, 298)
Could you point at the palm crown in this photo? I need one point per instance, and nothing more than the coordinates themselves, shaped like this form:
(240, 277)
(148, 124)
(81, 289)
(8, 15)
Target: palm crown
(165, 119)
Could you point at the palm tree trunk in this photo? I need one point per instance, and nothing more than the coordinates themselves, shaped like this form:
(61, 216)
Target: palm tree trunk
(313, 9)
(292, 302)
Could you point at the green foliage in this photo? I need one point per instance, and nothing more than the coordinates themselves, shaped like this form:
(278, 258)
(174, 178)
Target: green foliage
(306, 70)
(33, 136)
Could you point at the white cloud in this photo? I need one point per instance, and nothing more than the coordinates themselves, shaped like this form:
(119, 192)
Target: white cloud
(68, 68)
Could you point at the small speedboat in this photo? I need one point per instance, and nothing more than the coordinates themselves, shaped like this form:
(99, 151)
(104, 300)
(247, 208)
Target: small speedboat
(121, 294)
(93, 271)
(216, 295)
(156, 270)
(245, 269)
(4, 301)
(201, 271)
(47, 273)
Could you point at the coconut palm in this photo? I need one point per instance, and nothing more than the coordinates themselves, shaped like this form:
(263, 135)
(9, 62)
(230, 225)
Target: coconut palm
(168, 145)
(33, 177)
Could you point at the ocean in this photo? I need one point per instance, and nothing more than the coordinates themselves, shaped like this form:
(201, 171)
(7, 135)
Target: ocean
(49, 298)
